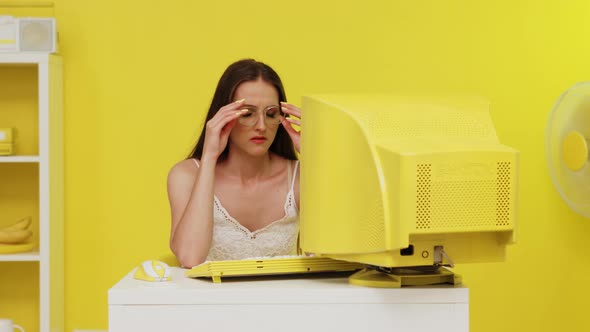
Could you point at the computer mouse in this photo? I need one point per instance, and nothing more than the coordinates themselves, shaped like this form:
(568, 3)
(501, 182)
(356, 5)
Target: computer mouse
(152, 270)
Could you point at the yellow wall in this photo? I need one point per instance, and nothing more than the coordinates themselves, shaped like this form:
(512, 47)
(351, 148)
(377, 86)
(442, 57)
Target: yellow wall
(139, 76)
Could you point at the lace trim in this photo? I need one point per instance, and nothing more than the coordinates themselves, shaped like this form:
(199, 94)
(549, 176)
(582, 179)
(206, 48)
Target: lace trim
(231, 240)
(289, 203)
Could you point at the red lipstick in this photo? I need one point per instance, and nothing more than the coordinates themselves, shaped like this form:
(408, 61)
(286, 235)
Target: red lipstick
(258, 139)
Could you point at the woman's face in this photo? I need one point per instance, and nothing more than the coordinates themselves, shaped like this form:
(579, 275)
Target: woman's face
(257, 138)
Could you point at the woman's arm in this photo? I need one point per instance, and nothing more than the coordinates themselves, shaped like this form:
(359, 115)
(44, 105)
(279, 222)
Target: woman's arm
(190, 192)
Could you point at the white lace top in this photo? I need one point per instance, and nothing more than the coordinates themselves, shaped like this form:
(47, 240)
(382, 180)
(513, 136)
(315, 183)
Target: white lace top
(233, 241)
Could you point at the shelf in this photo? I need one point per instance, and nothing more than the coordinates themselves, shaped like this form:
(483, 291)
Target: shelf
(23, 58)
(19, 159)
(31, 256)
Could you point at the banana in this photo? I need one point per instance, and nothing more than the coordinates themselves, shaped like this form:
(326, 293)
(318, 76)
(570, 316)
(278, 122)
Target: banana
(17, 236)
(19, 225)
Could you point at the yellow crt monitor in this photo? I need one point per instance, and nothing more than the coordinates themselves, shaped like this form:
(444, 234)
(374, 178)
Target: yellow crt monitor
(405, 181)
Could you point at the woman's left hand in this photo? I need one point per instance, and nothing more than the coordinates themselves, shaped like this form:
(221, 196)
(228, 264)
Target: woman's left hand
(295, 135)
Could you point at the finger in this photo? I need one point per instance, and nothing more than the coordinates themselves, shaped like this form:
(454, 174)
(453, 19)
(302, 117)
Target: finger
(230, 116)
(293, 121)
(226, 110)
(219, 122)
(228, 127)
(291, 109)
(293, 134)
(236, 105)
(289, 115)
(290, 130)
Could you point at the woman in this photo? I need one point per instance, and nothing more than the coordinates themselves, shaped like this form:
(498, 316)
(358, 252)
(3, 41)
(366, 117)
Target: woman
(237, 195)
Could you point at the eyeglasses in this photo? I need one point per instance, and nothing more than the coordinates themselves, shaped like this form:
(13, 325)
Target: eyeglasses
(272, 116)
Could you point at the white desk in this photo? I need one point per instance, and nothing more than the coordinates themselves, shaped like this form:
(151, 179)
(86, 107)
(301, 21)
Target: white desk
(288, 304)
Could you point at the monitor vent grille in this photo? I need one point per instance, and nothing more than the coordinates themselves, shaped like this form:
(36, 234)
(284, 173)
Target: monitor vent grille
(423, 196)
(503, 194)
(462, 204)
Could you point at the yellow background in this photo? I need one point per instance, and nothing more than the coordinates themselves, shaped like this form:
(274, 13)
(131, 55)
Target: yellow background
(139, 76)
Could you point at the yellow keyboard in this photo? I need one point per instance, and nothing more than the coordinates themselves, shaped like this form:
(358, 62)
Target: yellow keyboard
(260, 266)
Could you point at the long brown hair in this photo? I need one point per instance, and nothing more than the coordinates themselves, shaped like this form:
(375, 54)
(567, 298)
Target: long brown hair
(237, 73)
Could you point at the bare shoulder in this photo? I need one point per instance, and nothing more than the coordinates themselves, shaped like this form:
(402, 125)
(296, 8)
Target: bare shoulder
(280, 161)
(183, 172)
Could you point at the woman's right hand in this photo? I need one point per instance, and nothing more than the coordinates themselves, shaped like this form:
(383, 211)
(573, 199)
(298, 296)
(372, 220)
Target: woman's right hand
(219, 127)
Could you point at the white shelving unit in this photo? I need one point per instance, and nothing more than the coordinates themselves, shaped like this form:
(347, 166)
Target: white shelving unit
(49, 161)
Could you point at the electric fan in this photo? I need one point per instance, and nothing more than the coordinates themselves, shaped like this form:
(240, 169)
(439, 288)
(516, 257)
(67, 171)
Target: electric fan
(566, 146)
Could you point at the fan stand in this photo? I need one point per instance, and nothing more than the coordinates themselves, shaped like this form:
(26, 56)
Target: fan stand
(398, 277)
